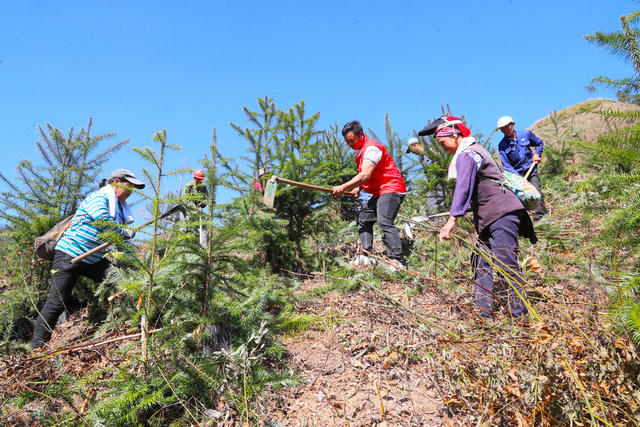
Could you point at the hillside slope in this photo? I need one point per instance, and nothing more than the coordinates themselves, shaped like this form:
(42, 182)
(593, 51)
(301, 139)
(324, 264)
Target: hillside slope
(577, 123)
(371, 348)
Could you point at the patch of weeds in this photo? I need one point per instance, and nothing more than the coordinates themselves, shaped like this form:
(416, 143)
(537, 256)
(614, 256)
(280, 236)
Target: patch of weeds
(60, 420)
(13, 348)
(347, 283)
(311, 294)
(294, 324)
(275, 352)
(415, 356)
(24, 397)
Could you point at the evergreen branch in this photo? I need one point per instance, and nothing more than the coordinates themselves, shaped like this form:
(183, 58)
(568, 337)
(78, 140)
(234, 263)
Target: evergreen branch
(108, 151)
(178, 171)
(160, 369)
(615, 43)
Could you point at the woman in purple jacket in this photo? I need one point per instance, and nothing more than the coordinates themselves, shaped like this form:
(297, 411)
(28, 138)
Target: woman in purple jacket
(498, 214)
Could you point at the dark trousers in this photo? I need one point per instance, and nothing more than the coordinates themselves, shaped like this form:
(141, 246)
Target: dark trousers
(63, 279)
(382, 210)
(541, 210)
(499, 242)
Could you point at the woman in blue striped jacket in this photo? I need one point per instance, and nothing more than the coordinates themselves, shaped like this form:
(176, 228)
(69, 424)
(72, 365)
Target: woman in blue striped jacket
(91, 220)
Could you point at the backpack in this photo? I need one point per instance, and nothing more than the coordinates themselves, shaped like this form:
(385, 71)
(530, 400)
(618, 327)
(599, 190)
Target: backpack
(522, 188)
(46, 244)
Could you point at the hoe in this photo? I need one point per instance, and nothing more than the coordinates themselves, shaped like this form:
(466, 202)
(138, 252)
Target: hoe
(272, 186)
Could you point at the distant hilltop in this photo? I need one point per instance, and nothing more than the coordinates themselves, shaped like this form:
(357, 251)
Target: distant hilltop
(582, 122)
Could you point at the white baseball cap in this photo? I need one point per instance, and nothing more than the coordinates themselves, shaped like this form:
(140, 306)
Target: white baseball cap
(410, 143)
(504, 120)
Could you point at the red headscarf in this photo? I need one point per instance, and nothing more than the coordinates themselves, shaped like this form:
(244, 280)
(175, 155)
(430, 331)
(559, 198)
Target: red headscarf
(455, 123)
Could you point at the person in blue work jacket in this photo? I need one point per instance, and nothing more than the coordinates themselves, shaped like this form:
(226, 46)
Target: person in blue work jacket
(516, 156)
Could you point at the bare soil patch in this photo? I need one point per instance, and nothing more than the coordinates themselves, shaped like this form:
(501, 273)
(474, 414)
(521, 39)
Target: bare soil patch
(363, 368)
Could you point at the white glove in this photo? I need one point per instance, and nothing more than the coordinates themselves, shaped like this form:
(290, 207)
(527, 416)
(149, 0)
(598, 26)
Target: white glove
(128, 233)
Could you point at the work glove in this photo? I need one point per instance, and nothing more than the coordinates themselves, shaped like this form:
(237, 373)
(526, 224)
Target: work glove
(128, 233)
(202, 204)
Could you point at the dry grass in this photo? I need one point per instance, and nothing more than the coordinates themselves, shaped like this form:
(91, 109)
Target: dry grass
(575, 123)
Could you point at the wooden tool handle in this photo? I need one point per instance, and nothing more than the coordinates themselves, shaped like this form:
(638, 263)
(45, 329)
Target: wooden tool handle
(302, 184)
(533, 165)
(79, 258)
(91, 252)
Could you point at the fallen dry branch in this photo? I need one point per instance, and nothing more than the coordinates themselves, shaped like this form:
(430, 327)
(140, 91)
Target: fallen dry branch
(84, 345)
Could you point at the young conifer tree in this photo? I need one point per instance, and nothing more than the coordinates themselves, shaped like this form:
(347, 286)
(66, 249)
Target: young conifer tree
(185, 288)
(336, 165)
(265, 125)
(296, 156)
(616, 159)
(396, 148)
(40, 195)
(624, 44)
(291, 148)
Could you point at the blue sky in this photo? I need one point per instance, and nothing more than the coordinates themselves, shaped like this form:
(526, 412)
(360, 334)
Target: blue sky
(141, 66)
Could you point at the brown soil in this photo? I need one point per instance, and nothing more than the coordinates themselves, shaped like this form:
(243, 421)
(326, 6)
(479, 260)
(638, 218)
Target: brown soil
(342, 362)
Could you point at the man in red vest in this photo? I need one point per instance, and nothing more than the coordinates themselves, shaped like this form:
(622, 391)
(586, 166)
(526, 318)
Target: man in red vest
(378, 176)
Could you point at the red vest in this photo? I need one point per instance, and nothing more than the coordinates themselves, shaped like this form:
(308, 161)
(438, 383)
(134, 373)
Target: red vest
(386, 178)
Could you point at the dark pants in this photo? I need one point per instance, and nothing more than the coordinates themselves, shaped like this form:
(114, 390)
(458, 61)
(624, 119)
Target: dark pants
(382, 210)
(63, 279)
(499, 242)
(541, 210)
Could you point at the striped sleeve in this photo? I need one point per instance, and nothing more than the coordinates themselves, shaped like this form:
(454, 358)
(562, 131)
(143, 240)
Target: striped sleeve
(84, 233)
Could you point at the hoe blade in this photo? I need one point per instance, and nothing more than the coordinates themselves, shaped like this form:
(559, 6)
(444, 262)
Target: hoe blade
(270, 191)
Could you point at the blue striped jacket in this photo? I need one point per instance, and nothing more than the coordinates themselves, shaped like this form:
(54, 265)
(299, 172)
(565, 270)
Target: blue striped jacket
(84, 234)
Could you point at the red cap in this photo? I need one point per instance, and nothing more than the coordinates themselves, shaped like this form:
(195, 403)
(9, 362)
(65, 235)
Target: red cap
(198, 174)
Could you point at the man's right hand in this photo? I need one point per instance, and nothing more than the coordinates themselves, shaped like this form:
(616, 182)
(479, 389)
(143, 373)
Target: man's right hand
(338, 190)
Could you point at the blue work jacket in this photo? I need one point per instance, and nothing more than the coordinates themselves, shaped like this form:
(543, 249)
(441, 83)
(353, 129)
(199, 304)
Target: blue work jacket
(516, 156)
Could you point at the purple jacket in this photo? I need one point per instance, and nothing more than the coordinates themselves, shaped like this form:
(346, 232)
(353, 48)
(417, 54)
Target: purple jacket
(474, 186)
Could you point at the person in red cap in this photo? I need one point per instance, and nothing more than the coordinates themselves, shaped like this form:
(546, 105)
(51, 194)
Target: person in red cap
(195, 191)
(196, 195)
(378, 176)
(499, 216)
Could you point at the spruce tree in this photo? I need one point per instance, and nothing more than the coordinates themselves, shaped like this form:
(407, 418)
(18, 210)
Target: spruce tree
(396, 148)
(616, 186)
(39, 196)
(624, 44)
(290, 146)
